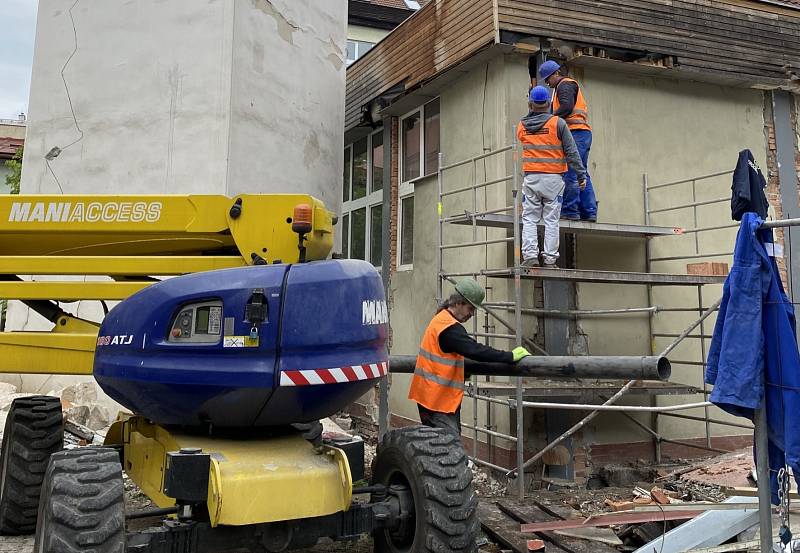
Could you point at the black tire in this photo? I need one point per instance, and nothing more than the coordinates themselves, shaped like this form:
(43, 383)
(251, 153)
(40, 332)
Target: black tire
(432, 464)
(83, 503)
(34, 430)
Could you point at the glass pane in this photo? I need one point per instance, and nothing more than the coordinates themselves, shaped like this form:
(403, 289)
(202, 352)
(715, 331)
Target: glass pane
(375, 235)
(346, 236)
(364, 47)
(360, 169)
(411, 147)
(351, 51)
(432, 137)
(377, 161)
(346, 176)
(358, 240)
(407, 232)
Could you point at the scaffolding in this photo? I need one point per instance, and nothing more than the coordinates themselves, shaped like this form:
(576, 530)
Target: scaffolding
(495, 226)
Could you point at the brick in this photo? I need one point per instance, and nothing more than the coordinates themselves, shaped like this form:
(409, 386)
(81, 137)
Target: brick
(620, 505)
(659, 496)
(535, 545)
(707, 268)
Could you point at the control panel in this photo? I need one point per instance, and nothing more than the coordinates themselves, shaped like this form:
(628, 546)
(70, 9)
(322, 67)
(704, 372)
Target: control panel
(198, 323)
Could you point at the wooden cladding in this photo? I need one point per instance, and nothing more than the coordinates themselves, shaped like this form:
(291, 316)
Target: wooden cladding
(744, 42)
(731, 38)
(440, 35)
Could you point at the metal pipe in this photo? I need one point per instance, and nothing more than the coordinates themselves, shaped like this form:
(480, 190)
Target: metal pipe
(694, 256)
(630, 408)
(468, 215)
(476, 186)
(477, 158)
(684, 206)
(694, 325)
(762, 472)
(572, 313)
(490, 432)
(712, 421)
(705, 229)
(516, 162)
(683, 181)
(487, 464)
(477, 243)
(494, 335)
(554, 366)
(781, 223)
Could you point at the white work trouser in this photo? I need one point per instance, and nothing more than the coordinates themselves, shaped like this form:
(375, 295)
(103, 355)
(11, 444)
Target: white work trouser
(542, 197)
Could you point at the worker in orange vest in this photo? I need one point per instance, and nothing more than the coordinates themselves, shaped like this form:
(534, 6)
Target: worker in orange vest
(438, 382)
(570, 104)
(547, 150)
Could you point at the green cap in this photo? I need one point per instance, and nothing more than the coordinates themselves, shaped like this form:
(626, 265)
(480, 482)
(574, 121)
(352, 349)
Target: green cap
(472, 291)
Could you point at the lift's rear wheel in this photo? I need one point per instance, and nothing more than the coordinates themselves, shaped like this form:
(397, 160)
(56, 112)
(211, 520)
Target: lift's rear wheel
(34, 430)
(426, 468)
(82, 507)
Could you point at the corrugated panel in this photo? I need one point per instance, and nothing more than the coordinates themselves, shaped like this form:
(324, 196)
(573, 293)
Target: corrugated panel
(440, 35)
(729, 38)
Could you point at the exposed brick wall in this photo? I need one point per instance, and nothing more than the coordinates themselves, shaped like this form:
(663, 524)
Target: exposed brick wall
(773, 183)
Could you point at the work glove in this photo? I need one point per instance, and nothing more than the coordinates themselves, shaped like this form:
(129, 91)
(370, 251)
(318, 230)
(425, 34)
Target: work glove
(582, 184)
(519, 353)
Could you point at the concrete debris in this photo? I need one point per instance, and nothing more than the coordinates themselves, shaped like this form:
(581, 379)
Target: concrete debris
(344, 422)
(84, 393)
(485, 484)
(730, 471)
(623, 476)
(78, 430)
(98, 418)
(79, 414)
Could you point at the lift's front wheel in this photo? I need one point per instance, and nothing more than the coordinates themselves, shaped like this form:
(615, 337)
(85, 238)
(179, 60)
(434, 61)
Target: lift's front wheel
(82, 506)
(426, 470)
(34, 430)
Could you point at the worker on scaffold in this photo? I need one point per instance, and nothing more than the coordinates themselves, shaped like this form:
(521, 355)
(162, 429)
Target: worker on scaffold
(438, 382)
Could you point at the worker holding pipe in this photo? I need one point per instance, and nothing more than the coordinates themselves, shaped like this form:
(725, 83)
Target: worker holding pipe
(438, 382)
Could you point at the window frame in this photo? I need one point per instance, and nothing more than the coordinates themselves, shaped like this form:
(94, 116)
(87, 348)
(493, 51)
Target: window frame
(406, 189)
(371, 200)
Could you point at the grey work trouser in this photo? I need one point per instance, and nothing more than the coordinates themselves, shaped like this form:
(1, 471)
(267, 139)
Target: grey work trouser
(448, 421)
(541, 201)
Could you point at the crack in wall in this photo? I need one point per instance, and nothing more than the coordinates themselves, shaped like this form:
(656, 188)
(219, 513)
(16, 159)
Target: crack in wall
(286, 28)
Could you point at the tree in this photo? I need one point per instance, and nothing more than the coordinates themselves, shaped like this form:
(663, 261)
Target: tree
(13, 178)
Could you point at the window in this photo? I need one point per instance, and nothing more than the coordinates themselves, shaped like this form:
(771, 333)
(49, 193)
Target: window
(356, 49)
(419, 156)
(362, 210)
(406, 231)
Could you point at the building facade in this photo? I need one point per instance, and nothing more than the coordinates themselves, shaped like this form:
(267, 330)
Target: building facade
(674, 91)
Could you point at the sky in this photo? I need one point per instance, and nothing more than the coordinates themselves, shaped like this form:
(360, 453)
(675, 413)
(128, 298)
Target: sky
(16, 55)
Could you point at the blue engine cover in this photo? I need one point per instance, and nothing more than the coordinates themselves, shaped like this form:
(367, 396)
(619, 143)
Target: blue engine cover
(322, 345)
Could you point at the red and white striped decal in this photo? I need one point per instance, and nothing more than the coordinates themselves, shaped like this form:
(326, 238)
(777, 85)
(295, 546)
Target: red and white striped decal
(338, 375)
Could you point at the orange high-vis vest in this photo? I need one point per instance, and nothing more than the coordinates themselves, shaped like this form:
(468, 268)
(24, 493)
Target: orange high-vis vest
(438, 381)
(579, 118)
(542, 151)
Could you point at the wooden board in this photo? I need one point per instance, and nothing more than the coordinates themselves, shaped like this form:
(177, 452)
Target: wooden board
(505, 531)
(529, 514)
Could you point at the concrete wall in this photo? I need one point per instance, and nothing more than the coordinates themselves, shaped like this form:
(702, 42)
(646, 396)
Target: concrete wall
(187, 97)
(218, 97)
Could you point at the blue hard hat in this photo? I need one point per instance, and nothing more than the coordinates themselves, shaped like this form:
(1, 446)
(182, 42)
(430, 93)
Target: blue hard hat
(539, 95)
(548, 68)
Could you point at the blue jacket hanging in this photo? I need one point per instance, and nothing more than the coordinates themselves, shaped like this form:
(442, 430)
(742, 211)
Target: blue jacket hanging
(755, 342)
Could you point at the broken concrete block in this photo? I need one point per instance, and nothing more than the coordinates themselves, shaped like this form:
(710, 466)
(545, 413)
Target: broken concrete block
(98, 417)
(84, 393)
(78, 414)
(346, 423)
